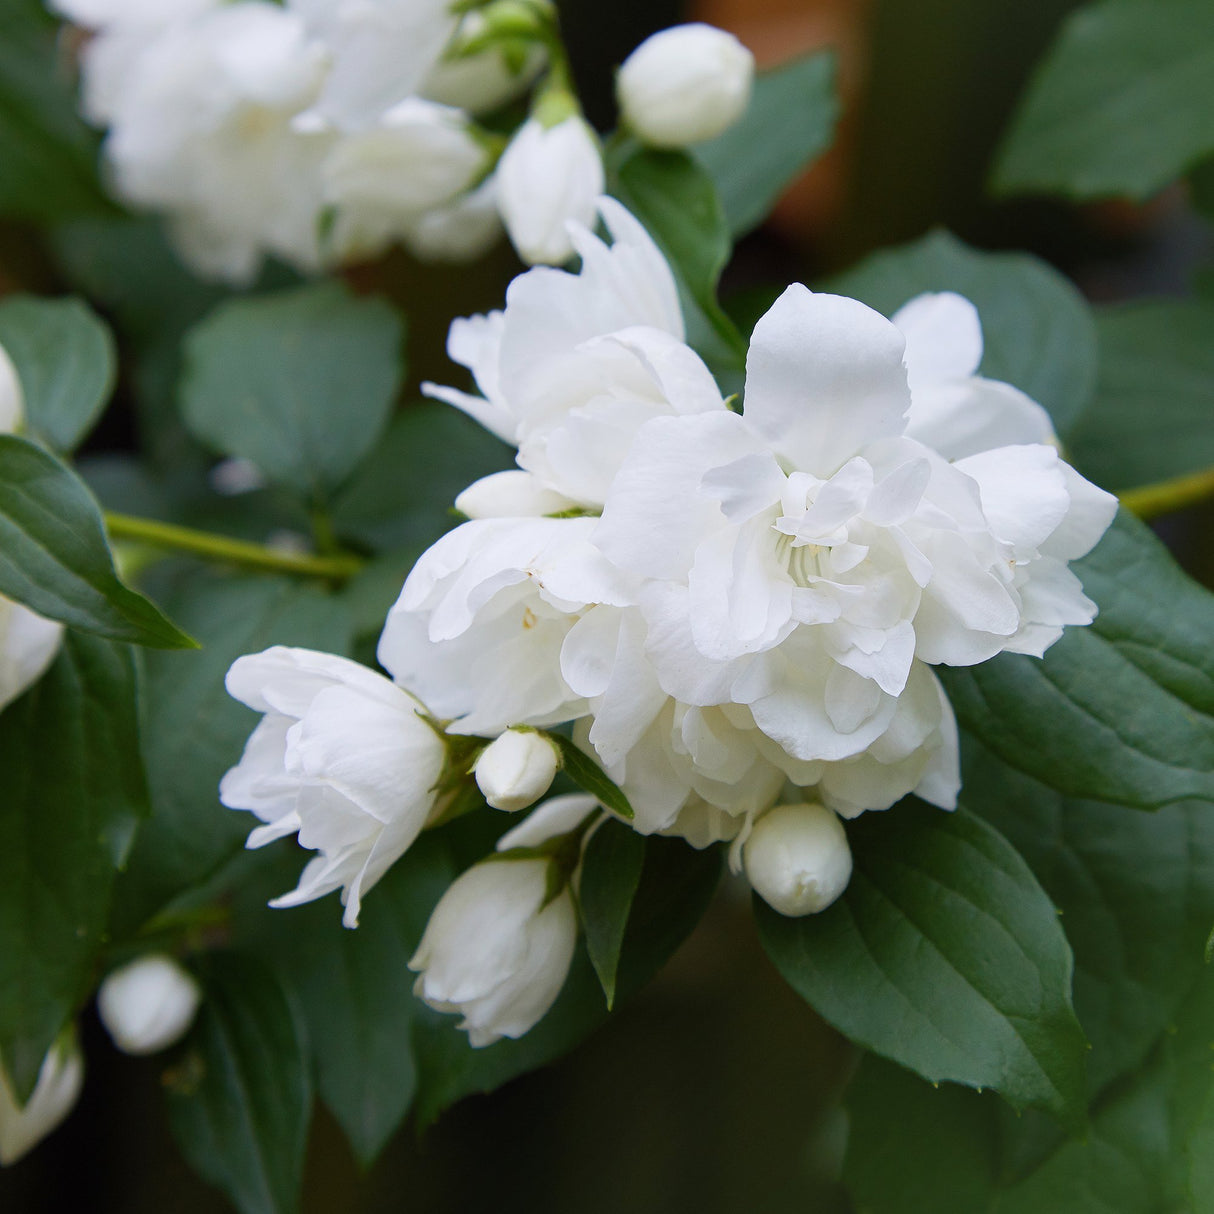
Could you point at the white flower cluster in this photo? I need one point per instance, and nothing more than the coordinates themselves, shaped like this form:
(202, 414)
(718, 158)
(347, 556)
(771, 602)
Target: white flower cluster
(739, 610)
(323, 131)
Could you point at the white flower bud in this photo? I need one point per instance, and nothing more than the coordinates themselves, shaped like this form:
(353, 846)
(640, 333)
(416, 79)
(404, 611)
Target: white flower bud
(516, 769)
(494, 951)
(12, 399)
(148, 1005)
(547, 177)
(797, 859)
(28, 645)
(685, 85)
(511, 494)
(59, 1082)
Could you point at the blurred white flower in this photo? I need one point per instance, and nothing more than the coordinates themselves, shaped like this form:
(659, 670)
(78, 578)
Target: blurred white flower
(797, 858)
(12, 398)
(685, 85)
(342, 757)
(497, 948)
(28, 645)
(23, 1127)
(148, 1004)
(548, 177)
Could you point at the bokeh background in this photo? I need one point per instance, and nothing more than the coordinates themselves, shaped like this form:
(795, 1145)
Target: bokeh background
(715, 1090)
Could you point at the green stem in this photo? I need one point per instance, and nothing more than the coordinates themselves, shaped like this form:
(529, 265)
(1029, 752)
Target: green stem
(214, 547)
(1164, 497)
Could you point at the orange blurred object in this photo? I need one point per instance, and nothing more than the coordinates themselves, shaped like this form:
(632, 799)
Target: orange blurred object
(779, 30)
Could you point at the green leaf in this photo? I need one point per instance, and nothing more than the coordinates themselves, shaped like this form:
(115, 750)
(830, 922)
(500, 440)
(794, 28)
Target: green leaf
(74, 788)
(1037, 330)
(47, 154)
(66, 362)
(301, 382)
(54, 556)
(401, 497)
(677, 202)
(240, 1095)
(355, 987)
(590, 777)
(1150, 417)
(1121, 711)
(1136, 894)
(1121, 104)
(789, 124)
(195, 731)
(944, 954)
(611, 872)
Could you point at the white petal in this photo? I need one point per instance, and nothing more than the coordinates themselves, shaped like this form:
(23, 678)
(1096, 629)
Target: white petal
(943, 338)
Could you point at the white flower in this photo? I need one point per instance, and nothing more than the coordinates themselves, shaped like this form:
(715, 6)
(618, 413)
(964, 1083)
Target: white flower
(482, 82)
(685, 85)
(381, 51)
(497, 949)
(28, 645)
(797, 859)
(201, 129)
(574, 365)
(457, 231)
(12, 399)
(805, 558)
(342, 757)
(55, 1094)
(547, 178)
(418, 156)
(516, 769)
(148, 1004)
(953, 410)
(555, 817)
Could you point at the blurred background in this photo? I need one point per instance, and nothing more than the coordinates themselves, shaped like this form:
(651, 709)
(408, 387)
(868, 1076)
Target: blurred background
(716, 1089)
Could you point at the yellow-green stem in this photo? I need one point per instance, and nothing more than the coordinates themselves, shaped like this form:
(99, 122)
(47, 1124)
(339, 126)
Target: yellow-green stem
(1150, 501)
(214, 547)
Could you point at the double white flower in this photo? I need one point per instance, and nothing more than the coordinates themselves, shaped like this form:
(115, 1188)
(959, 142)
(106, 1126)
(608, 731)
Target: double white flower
(342, 758)
(765, 593)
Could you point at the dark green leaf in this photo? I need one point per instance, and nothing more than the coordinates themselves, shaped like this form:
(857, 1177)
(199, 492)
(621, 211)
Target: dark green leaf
(590, 777)
(355, 987)
(790, 123)
(55, 558)
(65, 359)
(944, 954)
(1121, 104)
(1121, 711)
(1038, 331)
(196, 731)
(677, 202)
(300, 382)
(1150, 417)
(401, 497)
(1136, 893)
(74, 788)
(611, 871)
(47, 155)
(240, 1096)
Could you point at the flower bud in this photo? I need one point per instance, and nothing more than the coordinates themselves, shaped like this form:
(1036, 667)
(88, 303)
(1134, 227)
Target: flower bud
(12, 399)
(545, 178)
(496, 950)
(148, 1005)
(23, 1127)
(515, 770)
(797, 859)
(685, 85)
(28, 645)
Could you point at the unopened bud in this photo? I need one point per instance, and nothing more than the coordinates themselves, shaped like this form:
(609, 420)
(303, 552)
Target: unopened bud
(23, 1127)
(797, 859)
(516, 769)
(148, 1005)
(685, 85)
